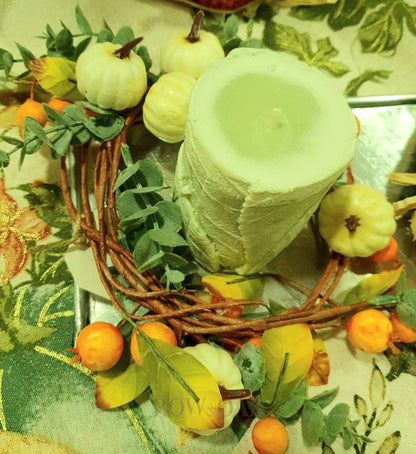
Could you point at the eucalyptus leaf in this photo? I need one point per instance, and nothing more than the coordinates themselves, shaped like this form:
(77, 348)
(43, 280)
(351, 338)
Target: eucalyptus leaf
(293, 404)
(406, 308)
(104, 36)
(54, 116)
(60, 141)
(167, 237)
(80, 134)
(231, 26)
(325, 398)
(172, 277)
(6, 62)
(143, 53)
(137, 218)
(335, 422)
(32, 128)
(82, 21)
(64, 40)
(105, 127)
(312, 423)
(169, 216)
(251, 364)
(25, 53)
(80, 47)
(152, 262)
(12, 141)
(126, 174)
(144, 250)
(124, 35)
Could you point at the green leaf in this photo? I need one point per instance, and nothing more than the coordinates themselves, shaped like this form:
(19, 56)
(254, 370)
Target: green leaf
(6, 62)
(166, 238)
(290, 407)
(105, 127)
(143, 53)
(287, 39)
(172, 277)
(81, 46)
(60, 142)
(137, 218)
(126, 174)
(325, 398)
(335, 422)
(368, 75)
(382, 29)
(312, 423)
(26, 54)
(124, 35)
(251, 364)
(12, 141)
(64, 41)
(169, 216)
(82, 21)
(406, 308)
(54, 116)
(120, 385)
(32, 128)
(104, 36)
(200, 409)
(230, 29)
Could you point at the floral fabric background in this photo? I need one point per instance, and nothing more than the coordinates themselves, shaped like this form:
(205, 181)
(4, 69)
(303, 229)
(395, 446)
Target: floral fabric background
(47, 404)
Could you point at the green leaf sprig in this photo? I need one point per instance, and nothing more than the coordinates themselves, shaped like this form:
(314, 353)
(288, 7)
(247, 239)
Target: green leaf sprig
(71, 127)
(66, 44)
(150, 225)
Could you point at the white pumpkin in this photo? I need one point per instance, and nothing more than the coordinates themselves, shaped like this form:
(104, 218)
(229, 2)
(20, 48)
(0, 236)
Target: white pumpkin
(226, 374)
(109, 80)
(191, 53)
(165, 108)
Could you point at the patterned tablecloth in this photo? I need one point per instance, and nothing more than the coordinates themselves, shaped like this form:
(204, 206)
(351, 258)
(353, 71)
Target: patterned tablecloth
(47, 404)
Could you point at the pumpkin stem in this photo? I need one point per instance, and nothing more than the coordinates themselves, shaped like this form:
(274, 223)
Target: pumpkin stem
(352, 223)
(193, 36)
(229, 394)
(124, 52)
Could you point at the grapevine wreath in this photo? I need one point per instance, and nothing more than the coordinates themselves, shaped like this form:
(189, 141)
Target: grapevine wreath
(160, 281)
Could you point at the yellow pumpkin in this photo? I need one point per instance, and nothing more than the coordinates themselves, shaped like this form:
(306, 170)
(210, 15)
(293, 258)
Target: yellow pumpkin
(166, 106)
(110, 79)
(356, 220)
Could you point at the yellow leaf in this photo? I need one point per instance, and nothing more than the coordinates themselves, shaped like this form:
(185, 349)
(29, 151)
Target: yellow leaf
(57, 76)
(219, 285)
(295, 342)
(205, 413)
(372, 286)
(319, 370)
(121, 384)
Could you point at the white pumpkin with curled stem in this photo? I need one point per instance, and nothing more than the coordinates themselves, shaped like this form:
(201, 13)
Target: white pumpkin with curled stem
(110, 76)
(228, 377)
(192, 52)
(356, 220)
(165, 108)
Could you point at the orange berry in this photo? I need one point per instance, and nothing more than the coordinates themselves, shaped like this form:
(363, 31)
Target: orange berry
(33, 109)
(58, 104)
(255, 341)
(401, 331)
(388, 254)
(370, 331)
(99, 346)
(155, 330)
(269, 436)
